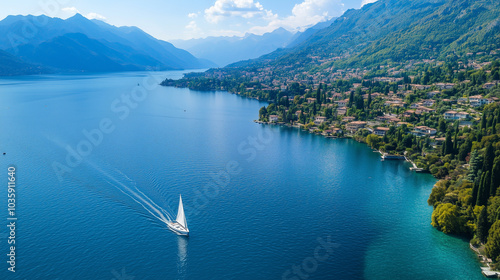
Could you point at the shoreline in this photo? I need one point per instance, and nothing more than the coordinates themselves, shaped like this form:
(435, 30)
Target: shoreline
(483, 260)
(383, 156)
(486, 271)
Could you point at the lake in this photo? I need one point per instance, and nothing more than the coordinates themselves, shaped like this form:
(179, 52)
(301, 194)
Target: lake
(101, 158)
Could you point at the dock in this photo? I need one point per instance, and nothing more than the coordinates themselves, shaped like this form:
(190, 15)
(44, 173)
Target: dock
(386, 156)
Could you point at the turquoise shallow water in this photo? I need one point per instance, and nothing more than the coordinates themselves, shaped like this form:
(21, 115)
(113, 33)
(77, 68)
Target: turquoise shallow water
(260, 201)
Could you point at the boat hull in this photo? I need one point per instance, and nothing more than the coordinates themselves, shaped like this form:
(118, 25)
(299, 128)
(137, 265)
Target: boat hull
(178, 228)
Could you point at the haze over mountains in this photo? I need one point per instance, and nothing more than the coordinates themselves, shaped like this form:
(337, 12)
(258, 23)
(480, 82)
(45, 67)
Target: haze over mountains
(225, 50)
(39, 44)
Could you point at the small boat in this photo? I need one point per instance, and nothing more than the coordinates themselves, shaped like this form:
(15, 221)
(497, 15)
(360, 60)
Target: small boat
(179, 226)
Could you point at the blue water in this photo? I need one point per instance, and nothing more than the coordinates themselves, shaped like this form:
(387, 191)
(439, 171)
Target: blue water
(277, 195)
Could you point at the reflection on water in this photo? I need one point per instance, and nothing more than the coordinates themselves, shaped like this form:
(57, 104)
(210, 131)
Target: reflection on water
(182, 242)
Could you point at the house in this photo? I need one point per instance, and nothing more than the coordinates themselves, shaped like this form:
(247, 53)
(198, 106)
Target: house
(425, 110)
(311, 100)
(348, 119)
(432, 94)
(452, 115)
(395, 103)
(273, 118)
(478, 101)
(298, 113)
(341, 111)
(394, 120)
(475, 98)
(337, 96)
(383, 118)
(489, 85)
(342, 103)
(462, 100)
(424, 131)
(408, 113)
(380, 131)
(415, 105)
(337, 131)
(354, 126)
(463, 116)
(428, 103)
(327, 133)
(421, 87)
(445, 85)
(320, 120)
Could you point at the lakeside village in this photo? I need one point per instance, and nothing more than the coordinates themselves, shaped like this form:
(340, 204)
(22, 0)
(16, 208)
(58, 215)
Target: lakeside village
(443, 116)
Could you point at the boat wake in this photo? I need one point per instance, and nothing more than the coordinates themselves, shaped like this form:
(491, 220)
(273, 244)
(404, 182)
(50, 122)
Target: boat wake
(136, 195)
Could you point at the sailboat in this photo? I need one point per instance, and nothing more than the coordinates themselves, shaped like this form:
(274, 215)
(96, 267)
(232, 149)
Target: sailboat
(179, 226)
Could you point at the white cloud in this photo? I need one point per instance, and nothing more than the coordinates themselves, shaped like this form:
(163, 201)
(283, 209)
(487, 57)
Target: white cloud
(67, 12)
(367, 2)
(70, 10)
(95, 16)
(235, 8)
(192, 15)
(192, 25)
(304, 15)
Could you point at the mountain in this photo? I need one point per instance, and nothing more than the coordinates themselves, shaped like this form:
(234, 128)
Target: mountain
(11, 66)
(79, 44)
(393, 31)
(224, 50)
(306, 34)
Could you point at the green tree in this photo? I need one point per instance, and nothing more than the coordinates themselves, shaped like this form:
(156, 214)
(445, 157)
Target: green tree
(476, 163)
(262, 113)
(446, 218)
(482, 225)
(484, 189)
(495, 177)
(373, 140)
(492, 247)
(442, 126)
(448, 145)
(464, 150)
(489, 157)
(437, 194)
(318, 94)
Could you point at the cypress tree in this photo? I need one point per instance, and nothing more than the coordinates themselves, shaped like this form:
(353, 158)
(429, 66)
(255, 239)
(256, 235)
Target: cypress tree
(484, 189)
(475, 191)
(318, 94)
(495, 177)
(455, 144)
(489, 122)
(482, 225)
(483, 121)
(494, 126)
(489, 157)
(351, 99)
(448, 145)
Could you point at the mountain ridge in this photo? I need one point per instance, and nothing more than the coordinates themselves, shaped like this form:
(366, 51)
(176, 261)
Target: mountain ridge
(30, 39)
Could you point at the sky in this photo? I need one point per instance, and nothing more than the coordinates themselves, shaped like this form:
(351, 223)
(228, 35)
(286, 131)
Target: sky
(186, 19)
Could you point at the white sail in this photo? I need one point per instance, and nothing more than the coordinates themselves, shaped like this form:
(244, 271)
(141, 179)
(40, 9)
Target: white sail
(181, 218)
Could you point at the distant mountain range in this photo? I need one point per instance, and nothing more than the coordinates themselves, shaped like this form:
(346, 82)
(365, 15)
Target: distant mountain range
(39, 44)
(225, 50)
